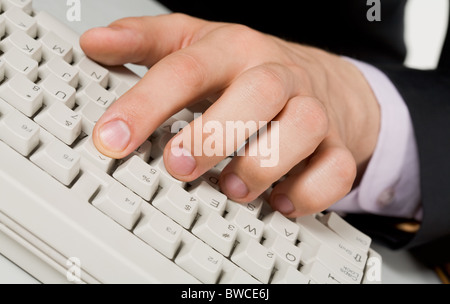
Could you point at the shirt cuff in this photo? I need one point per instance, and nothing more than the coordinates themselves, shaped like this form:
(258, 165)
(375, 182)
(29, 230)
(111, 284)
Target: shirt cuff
(391, 183)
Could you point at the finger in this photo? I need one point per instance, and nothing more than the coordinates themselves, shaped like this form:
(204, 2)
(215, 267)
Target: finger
(302, 125)
(141, 40)
(190, 74)
(327, 177)
(253, 99)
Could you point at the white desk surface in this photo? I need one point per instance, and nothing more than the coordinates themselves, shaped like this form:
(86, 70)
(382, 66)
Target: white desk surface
(398, 266)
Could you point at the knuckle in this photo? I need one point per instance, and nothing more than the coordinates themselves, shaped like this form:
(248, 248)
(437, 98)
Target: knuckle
(271, 86)
(343, 164)
(186, 70)
(239, 33)
(310, 116)
(179, 16)
(266, 87)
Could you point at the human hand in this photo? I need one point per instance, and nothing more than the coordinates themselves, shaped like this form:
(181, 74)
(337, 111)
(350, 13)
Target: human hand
(328, 116)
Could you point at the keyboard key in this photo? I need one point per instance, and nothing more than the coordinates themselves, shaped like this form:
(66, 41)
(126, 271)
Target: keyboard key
(24, 43)
(91, 71)
(346, 231)
(61, 121)
(217, 232)
(59, 161)
(287, 254)
(249, 227)
(56, 90)
(210, 200)
(139, 176)
(17, 20)
(19, 63)
(121, 204)
(61, 70)
(275, 224)
(53, 45)
(22, 94)
(315, 233)
(345, 271)
(95, 93)
(178, 204)
(160, 232)
(201, 261)
(87, 150)
(255, 259)
(320, 274)
(253, 208)
(19, 132)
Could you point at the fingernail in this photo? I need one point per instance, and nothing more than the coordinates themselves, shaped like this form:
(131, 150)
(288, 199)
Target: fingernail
(180, 161)
(234, 186)
(282, 203)
(115, 135)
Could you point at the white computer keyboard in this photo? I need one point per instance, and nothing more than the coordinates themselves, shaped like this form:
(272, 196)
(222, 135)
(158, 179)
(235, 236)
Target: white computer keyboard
(66, 210)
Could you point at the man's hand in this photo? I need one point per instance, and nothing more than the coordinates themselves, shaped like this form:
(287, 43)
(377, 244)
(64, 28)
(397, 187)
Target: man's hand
(328, 116)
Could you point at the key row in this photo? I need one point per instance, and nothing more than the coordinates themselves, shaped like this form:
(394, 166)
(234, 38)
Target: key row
(82, 73)
(301, 263)
(25, 5)
(54, 101)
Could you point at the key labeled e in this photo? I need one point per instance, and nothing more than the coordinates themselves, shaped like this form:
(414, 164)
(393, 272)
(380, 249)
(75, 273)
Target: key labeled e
(74, 10)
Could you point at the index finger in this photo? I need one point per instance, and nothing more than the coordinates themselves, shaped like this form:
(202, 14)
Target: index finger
(192, 73)
(141, 40)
